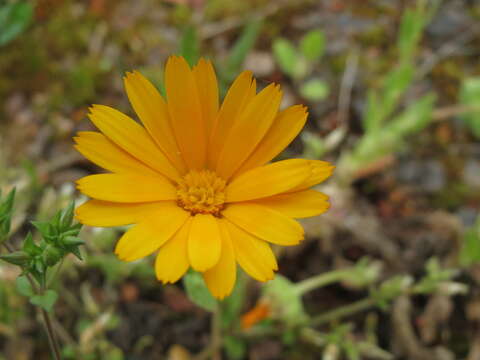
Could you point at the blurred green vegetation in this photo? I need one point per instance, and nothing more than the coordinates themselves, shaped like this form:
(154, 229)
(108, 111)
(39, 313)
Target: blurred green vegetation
(393, 92)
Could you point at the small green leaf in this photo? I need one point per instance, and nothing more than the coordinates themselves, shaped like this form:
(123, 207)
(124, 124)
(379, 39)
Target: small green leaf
(24, 287)
(312, 45)
(242, 47)
(19, 258)
(52, 255)
(14, 19)
(285, 301)
(189, 45)
(470, 251)
(198, 292)
(67, 215)
(29, 246)
(314, 90)
(6, 208)
(46, 301)
(470, 97)
(287, 58)
(234, 347)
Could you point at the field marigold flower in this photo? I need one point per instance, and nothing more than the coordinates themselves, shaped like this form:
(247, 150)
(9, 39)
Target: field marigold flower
(196, 180)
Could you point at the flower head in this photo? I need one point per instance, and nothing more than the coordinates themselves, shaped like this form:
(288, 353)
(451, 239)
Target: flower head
(195, 179)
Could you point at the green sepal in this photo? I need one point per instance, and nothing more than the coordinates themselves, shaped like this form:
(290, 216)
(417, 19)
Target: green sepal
(19, 258)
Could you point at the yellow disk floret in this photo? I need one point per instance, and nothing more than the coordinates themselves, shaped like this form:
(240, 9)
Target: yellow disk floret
(201, 192)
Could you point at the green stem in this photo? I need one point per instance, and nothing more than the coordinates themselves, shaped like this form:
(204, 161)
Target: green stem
(343, 311)
(319, 281)
(52, 340)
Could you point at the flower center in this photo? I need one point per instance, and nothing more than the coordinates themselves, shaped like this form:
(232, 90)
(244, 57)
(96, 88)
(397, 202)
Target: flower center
(201, 192)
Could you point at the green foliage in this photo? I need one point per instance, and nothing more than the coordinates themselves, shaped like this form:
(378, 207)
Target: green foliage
(189, 45)
(45, 300)
(6, 207)
(286, 55)
(198, 292)
(14, 19)
(299, 61)
(411, 28)
(58, 238)
(434, 277)
(470, 251)
(385, 132)
(241, 48)
(234, 347)
(24, 286)
(285, 301)
(312, 45)
(470, 97)
(314, 89)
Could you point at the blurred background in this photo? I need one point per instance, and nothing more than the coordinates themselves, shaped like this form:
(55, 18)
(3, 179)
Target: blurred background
(392, 271)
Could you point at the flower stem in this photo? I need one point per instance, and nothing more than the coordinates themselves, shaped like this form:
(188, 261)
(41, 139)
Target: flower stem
(343, 311)
(52, 340)
(318, 281)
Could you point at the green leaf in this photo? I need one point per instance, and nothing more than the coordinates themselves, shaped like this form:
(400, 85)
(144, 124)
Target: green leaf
(14, 19)
(470, 97)
(67, 216)
(24, 287)
(411, 27)
(19, 258)
(285, 301)
(314, 90)
(46, 301)
(312, 45)
(6, 208)
(232, 305)
(189, 45)
(198, 292)
(235, 347)
(470, 251)
(242, 47)
(287, 58)
(29, 246)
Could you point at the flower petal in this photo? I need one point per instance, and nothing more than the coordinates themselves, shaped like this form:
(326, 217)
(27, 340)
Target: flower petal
(254, 255)
(319, 172)
(127, 188)
(265, 223)
(246, 133)
(172, 259)
(220, 279)
(131, 137)
(285, 128)
(106, 213)
(298, 204)
(103, 152)
(152, 110)
(186, 112)
(207, 86)
(146, 237)
(268, 180)
(238, 96)
(204, 242)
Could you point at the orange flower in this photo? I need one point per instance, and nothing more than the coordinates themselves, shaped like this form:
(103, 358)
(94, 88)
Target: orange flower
(195, 178)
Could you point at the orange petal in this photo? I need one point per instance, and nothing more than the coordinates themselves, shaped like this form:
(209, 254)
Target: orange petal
(265, 223)
(127, 188)
(285, 128)
(131, 137)
(238, 96)
(246, 133)
(298, 204)
(186, 112)
(152, 110)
